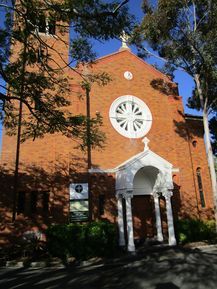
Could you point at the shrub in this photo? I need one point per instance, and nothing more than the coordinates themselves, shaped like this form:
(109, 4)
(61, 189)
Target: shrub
(101, 238)
(193, 230)
(82, 240)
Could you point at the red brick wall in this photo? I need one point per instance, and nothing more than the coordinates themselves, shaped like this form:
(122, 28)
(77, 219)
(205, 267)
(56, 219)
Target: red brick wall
(53, 162)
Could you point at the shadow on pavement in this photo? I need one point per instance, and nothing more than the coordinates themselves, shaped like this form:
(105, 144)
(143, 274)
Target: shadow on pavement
(163, 269)
(166, 286)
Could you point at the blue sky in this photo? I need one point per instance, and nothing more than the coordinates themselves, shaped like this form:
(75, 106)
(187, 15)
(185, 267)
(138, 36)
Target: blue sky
(184, 81)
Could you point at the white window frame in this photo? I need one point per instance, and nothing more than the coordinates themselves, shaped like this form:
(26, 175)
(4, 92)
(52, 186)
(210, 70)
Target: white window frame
(134, 119)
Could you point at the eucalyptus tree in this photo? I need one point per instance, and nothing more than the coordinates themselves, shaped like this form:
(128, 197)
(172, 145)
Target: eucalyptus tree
(184, 33)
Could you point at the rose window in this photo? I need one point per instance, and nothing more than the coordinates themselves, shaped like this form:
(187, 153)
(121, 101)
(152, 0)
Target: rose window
(130, 116)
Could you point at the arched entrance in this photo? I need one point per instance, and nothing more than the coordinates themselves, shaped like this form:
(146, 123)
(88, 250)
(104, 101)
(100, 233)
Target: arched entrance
(143, 211)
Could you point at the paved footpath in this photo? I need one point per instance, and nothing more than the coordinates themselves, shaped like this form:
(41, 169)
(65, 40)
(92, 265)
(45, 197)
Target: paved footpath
(160, 269)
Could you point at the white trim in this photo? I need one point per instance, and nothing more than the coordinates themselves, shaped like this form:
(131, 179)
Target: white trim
(102, 171)
(175, 170)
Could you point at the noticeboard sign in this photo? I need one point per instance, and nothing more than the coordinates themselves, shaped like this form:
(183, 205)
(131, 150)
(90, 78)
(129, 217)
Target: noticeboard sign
(78, 191)
(79, 216)
(79, 205)
(79, 210)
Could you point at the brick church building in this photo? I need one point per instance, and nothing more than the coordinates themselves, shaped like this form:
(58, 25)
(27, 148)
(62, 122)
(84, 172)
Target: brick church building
(151, 171)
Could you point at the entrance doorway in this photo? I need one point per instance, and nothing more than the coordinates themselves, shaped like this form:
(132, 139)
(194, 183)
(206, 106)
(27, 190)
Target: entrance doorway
(143, 217)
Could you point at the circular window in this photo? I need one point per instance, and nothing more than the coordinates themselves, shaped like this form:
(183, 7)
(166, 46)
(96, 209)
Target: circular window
(128, 75)
(130, 116)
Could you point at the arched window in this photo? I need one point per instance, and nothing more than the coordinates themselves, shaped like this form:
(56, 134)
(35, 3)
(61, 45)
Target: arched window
(101, 204)
(21, 202)
(42, 24)
(33, 200)
(200, 187)
(194, 143)
(45, 201)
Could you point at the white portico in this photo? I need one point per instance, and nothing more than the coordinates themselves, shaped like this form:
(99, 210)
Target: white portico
(144, 174)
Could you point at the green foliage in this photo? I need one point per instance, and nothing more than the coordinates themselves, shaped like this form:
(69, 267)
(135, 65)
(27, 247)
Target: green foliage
(184, 33)
(36, 73)
(82, 240)
(193, 230)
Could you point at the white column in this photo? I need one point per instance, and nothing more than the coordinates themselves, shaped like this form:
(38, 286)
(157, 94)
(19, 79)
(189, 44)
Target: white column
(172, 239)
(120, 221)
(158, 217)
(130, 245)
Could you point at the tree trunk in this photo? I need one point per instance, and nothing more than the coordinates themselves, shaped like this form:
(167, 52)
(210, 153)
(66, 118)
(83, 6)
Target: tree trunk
(208, 146)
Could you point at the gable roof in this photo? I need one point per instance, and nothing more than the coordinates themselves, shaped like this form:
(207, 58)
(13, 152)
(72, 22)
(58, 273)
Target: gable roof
(152, 69)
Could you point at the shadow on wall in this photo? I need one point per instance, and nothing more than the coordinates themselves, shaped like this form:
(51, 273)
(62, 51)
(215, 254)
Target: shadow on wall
(188, 129)
(37, 182)
(104, 202)
(42, 197)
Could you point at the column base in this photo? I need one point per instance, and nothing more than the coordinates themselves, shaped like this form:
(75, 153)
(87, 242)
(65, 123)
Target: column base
(131, 248)
(160, 238)
(172, 242)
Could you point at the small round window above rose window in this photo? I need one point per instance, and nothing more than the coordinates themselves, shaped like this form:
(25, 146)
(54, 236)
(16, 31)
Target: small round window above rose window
(130, 116)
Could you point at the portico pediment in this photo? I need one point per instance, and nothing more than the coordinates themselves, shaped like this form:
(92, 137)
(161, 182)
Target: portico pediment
(148, 161)
(145, 158)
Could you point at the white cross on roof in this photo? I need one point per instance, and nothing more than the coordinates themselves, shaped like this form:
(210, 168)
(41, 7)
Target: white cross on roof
(124, 38)
(146, 141)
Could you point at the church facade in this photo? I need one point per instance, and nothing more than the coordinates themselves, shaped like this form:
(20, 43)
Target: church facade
(151, 171)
